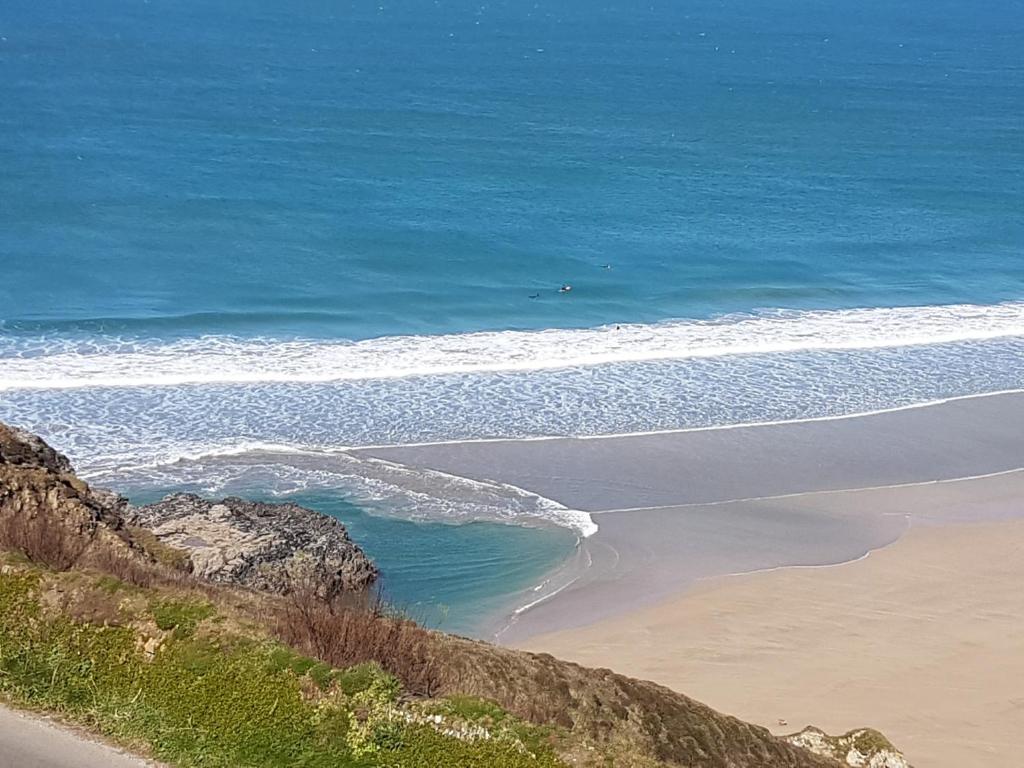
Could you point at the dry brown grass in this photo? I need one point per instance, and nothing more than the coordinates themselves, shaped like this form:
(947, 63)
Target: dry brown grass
(348, 630)
(132, 567)
(43, 539)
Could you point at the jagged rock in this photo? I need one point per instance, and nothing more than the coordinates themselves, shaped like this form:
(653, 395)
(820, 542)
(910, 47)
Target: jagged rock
(23, 449)
(37, 482)
(270, 547)
(264, 546)
(862, 748)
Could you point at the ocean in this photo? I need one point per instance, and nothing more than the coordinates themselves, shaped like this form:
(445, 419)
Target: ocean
(229, 228)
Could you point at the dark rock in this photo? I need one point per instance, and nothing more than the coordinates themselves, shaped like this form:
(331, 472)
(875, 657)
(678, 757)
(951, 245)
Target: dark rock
(37, 481)
(23, 449)
(271, 547)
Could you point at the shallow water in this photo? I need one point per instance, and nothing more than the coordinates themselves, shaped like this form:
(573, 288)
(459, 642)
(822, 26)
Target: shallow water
(459, 578)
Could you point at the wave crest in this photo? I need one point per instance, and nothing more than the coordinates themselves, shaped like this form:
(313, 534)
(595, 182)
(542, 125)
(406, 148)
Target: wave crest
(114, 362)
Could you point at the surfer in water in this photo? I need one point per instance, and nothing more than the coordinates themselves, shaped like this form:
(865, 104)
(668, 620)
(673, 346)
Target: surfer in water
(565, 288)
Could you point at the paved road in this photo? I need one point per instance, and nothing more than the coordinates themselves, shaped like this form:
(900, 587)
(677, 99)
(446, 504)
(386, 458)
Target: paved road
(30, 742)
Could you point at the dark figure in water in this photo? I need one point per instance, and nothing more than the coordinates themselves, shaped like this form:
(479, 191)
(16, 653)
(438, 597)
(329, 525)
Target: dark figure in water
(565, 288)
(535, 296)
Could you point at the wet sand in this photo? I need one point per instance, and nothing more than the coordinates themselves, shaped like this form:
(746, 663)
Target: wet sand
(639, 557)
(677, 507)
(958, 438)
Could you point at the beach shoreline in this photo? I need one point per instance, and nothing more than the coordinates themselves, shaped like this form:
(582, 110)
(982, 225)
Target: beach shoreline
(675, 508)
(842, 573)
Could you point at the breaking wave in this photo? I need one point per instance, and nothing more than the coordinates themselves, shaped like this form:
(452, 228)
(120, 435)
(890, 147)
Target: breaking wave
(63, 363)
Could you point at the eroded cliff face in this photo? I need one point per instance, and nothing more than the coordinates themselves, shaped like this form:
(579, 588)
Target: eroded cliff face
(271, 547)
(861, 748)
(40, 495)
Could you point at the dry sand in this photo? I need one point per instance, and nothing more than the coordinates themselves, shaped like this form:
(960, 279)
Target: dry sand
(923, 640)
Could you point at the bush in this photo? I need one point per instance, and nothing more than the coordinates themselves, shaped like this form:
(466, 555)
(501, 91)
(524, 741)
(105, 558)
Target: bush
(358, 678)
(43, 539)
(346, 634)
(473, 709)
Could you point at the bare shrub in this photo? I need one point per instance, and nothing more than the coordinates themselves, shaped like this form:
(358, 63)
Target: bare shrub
(132, 568)
(43, 539)
(347, 630)
(123, 567)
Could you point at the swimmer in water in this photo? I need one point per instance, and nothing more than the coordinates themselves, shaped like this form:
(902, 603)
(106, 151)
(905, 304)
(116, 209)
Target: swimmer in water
(565, 288)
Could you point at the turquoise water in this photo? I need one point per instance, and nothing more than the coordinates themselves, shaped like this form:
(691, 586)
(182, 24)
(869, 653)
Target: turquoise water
(362, 169)
(459, 578)
(454, 577)
(228, 226)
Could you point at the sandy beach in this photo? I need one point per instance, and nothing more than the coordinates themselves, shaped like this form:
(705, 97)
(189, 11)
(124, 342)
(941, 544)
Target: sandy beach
(923, 640)
(674, 508)
(883, 556)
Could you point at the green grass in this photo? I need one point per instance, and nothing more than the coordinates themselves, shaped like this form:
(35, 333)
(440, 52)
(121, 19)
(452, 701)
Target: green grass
(473, 709)
(182, 616)
(358, 678)
(210, 699)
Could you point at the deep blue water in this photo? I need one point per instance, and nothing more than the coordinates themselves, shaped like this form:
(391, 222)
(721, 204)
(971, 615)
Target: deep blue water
(361, 169)
(204, 203)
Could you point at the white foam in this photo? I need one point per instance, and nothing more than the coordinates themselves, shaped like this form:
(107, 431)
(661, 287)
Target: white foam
(386, 486)
(225, 360)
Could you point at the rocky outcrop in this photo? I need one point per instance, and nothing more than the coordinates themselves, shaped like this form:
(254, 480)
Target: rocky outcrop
(271, 547)
(43, 502)
(24, 450)
(55, 517)
(862, 748)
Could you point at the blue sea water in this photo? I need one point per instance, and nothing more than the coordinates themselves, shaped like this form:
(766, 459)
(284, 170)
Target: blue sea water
(230, 225)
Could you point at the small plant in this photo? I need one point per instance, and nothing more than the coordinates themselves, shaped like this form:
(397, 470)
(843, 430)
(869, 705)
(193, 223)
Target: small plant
(182, 616)
(473, 709)
(282, 658)
(358, 678)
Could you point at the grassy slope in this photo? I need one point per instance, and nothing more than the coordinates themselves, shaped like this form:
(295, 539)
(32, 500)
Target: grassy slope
(208, 693)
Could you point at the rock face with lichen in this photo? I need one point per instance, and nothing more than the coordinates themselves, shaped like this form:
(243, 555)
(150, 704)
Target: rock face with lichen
(38, 483)
(862, 748)
(271, 547)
